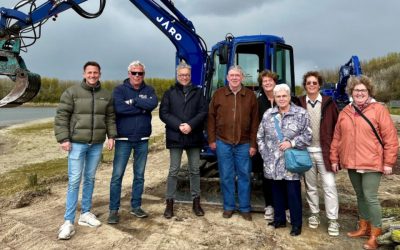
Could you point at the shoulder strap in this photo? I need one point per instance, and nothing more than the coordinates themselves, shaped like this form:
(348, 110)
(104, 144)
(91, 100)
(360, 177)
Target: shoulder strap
(278, 129)
(370, 124)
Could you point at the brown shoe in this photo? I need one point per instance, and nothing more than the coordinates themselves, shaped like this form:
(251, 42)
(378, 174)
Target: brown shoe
(364, 230)
(246, 216)
(227, 214)
(371, 242)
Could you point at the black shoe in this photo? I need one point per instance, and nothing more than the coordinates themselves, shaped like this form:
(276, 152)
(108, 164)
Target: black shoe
(169, 209)
(113, 218)
(295, 231)
(197, 210)
(277, 224)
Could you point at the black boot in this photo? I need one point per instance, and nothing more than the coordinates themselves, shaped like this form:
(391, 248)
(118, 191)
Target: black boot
(169, 209)
(197, 210)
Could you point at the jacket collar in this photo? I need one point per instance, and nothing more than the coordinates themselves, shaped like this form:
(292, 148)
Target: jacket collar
(319, 98)
(129, 85)
(275, 109)
(87, 87)
(228, 91)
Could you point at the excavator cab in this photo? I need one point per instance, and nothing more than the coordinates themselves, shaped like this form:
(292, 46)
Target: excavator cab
(27, 84)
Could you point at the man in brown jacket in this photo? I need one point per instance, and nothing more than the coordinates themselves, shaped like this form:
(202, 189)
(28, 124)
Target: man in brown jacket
(232, 130)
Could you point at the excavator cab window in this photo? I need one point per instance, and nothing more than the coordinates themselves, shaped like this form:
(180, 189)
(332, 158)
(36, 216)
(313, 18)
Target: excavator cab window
(219, 75)
(250, 56)
(282, 64)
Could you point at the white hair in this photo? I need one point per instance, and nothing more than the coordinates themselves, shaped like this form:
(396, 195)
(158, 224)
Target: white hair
(183, 65)
(236, 68)
(136, 64)
(281, 87)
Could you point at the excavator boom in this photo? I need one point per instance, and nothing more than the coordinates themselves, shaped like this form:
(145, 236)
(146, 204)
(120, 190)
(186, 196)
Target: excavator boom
(14, 24)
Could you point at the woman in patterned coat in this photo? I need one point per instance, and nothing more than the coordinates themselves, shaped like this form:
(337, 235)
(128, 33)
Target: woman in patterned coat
(294, 123)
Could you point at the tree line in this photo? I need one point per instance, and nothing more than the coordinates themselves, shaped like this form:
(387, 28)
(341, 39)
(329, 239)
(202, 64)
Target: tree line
(52, 88)
(384, 71)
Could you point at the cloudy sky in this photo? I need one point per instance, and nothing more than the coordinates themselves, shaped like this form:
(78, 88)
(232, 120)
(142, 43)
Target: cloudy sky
(323, 33)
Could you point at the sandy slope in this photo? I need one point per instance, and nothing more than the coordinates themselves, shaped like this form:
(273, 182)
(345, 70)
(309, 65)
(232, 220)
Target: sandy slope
(35, 226)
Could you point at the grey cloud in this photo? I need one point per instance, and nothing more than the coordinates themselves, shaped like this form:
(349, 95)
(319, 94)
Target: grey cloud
(324, 34)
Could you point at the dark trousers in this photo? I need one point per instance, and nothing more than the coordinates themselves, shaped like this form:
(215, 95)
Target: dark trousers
(258, 168)
(287, 192)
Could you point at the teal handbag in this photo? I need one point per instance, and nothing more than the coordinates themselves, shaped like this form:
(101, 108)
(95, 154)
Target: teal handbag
(296, 160)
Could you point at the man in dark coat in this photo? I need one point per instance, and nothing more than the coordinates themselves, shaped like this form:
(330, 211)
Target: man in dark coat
(183, 109)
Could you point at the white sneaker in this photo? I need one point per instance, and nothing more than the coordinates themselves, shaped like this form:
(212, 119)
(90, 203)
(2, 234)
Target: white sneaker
(288, 216)
(313, 221)
(333, 228)
(66, 231)
(269, 213)
(89, 219)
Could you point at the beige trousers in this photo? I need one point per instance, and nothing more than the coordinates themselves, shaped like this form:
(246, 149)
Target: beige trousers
(328, 187)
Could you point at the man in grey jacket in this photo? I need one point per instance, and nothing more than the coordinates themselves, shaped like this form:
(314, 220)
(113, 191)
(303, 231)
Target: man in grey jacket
(84, 117)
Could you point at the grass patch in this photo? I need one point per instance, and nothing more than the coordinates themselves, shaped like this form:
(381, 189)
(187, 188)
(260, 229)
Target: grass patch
(394, 111)
(33, 129)
(31, 177)
(107, 156)
(37, 176)
(388, 212)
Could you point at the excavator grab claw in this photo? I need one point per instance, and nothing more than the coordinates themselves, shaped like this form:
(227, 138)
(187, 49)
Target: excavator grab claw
(27, 84)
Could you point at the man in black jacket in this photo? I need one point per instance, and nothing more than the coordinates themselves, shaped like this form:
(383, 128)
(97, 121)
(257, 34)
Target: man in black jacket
(183, 109)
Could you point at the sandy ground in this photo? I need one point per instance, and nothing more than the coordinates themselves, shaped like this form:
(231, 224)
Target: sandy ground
(35, 226)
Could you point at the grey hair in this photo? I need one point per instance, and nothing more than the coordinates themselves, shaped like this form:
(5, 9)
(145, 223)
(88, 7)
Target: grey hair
(237, 68)
(281, 87)
(136, 64)
(183, 65)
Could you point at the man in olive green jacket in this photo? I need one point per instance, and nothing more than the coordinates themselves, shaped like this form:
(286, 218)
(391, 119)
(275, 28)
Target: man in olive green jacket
(84, 117)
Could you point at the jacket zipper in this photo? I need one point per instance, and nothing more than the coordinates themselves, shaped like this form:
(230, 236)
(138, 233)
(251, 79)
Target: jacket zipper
(234, 118)
(91, 139)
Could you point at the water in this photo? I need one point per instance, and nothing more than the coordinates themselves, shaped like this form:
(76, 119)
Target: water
(10, 116)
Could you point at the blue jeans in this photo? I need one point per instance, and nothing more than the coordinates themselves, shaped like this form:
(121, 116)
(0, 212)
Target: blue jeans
(234, 161)
(82, 159)
(123, 151)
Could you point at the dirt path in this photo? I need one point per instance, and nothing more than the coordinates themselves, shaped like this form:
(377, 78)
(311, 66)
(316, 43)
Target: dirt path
(35, 226)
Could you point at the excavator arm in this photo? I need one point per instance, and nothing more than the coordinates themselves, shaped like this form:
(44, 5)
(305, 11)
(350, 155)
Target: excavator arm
(15, 24)
(338, 91)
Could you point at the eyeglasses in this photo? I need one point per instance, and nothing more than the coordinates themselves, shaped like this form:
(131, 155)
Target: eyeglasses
(137, 73)
(313, 83)
(184, 75)
(360, 90)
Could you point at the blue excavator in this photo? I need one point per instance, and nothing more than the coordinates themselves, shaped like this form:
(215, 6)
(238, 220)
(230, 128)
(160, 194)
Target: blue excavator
(338, 90)
(20, 29)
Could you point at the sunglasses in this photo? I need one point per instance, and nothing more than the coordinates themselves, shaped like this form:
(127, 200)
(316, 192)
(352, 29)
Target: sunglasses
(136, 73)
(313, 83)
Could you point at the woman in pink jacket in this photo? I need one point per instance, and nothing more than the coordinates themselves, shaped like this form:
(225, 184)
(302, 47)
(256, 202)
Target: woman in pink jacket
(367, 149)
